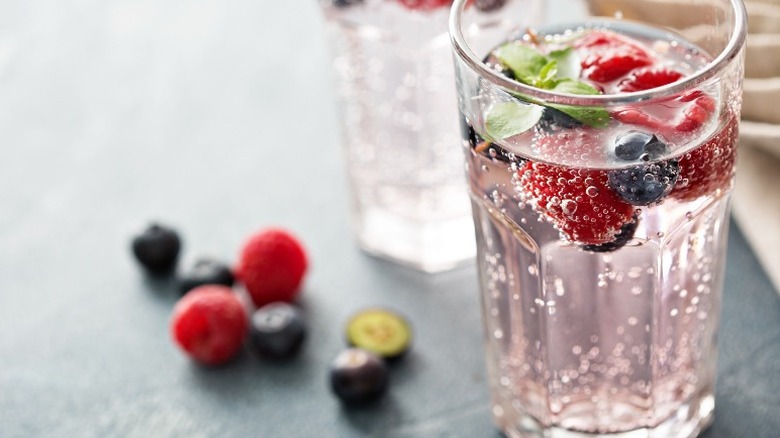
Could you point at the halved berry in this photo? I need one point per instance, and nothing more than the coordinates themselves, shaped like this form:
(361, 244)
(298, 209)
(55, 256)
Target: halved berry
(209, 324)
(277, 330)
(205, 271)
(606, 56)
(710, 166)
(157, 249)
(425, 5)
(648, 78)
(380, 331)
(272, 266)
(358, 376)
(579, 201)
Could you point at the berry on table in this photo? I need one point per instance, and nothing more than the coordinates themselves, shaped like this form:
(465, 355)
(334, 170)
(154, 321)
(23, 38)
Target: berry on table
(358, 376)
(272, 265)
(277, 330)
(380, 331)
(205, 271)
(209, 324)
(157, 248)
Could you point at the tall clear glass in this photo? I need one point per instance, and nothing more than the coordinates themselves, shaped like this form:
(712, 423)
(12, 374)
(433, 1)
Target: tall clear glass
(601, 216)
(392, 66)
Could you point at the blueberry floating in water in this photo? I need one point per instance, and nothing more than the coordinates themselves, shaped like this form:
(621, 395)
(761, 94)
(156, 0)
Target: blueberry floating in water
(277, 330)
(553, 120)
(358, 376)
(157, 249)
(205, 271)
(623, 236)
(647, 183)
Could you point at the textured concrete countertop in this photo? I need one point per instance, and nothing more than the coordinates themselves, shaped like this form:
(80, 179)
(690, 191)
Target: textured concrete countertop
(216, 117)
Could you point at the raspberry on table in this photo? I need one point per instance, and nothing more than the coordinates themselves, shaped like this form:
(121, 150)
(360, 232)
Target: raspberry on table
(272, 265)
(209, 324)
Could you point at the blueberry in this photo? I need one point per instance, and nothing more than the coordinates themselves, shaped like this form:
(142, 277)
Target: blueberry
(646, 183)
(277, 330)
(358, 376)
(345, 3)
(633, 145)
(205, 271)
(157, 249)
(489, 5)
(623, 236)
(553, 120)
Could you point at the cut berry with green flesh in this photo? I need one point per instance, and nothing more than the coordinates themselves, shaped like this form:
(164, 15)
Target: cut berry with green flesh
(607, 56)
(157, 249)
(205, 271)
(380, 331)
(579, 201)
(277, 330)
(209, 324)
(425, 5)
(709, 167)
(272, 265)
(358, 376)
(648, 78)
(624, 236)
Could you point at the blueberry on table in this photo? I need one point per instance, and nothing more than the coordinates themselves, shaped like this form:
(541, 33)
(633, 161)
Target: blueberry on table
(277, 330)
(380, 331)
(358, 376)
(205, 271)
(157, 248)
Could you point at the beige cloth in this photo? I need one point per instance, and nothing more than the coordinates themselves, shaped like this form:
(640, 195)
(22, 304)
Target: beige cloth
(757, 194)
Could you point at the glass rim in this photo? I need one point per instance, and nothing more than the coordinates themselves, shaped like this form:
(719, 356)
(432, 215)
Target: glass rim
(713, 67)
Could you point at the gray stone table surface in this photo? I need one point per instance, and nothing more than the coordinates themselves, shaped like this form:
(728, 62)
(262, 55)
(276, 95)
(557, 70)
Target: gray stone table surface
(216, 117)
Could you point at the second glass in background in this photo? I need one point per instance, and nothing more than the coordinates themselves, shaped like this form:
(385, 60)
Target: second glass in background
(393, 72)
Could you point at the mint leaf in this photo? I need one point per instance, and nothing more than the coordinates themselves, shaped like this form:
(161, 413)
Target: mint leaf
(547, 75)
(575, 87)
(568, 63)
(525, 62)
(508, 119)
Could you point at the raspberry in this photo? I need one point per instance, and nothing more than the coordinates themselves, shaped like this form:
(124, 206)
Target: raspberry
(209, 324)
(684, 113)
(710, 166)
(271, 266)
(607, 56)
(647, 78)
(579, 201)
(425, 5)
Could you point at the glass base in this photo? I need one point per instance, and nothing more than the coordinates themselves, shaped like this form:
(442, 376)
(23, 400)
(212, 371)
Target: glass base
(431, 246)
(688, 421)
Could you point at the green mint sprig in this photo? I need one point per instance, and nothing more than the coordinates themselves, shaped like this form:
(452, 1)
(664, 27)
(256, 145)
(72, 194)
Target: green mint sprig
(557, 71)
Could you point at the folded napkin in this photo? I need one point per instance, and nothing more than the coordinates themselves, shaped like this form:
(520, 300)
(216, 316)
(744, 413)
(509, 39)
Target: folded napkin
(757, 193)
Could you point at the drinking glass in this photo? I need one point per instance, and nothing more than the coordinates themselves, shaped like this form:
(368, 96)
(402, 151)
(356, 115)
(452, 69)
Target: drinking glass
(601, 274)
(393, 76)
